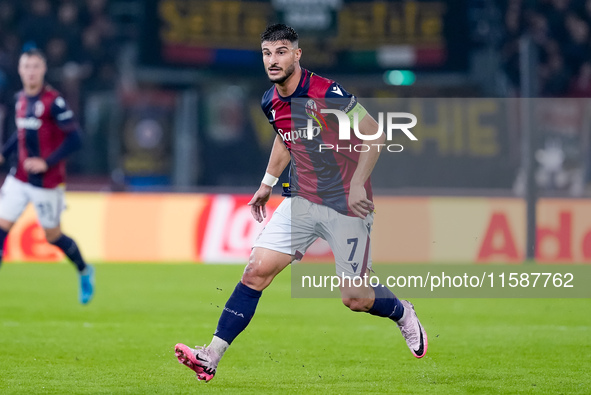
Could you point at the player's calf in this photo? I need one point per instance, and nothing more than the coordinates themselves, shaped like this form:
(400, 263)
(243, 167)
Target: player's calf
(70, 248)
(357, 298)
(358, 304)
(3, 235)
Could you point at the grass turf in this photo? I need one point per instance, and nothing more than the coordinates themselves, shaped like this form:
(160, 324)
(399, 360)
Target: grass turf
(123, 341)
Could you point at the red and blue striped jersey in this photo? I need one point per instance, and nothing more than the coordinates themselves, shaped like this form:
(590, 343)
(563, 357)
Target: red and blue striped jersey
(322, 176)
(42, 124)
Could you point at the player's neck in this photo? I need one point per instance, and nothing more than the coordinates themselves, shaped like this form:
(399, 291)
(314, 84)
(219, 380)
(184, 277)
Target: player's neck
(33, 90)
(289, 86)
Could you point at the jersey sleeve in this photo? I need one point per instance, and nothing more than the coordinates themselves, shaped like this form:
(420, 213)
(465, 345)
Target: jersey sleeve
(267, 106)
(63, 115)
(339, 99)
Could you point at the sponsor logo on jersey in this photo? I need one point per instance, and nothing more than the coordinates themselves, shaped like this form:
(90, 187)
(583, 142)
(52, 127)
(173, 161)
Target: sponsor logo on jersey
(30, 123)
(302, 133)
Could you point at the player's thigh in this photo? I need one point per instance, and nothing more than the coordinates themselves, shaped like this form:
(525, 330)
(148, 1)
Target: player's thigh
(49, 204)
(350, 241)
(13, 199)
(289, 231)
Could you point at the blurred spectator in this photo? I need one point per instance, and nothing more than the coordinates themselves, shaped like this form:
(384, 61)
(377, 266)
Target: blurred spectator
(56, 52)
(39, 24)
(581, 84)
(67, 16)
(97, 18)
(78, 38)
(8, 16)
(98, 59)
(76, 35)
(561, 30)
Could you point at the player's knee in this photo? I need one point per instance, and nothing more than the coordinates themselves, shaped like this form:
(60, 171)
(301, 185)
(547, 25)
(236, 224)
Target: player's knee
(51, 235)
(6, 225)
(255, 274)
(357, 304)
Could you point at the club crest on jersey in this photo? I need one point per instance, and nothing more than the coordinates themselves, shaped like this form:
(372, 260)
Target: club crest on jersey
(39, 108)
(312, 111)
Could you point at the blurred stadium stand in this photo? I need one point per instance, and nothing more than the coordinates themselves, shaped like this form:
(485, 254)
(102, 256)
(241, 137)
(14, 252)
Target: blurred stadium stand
(168, 91)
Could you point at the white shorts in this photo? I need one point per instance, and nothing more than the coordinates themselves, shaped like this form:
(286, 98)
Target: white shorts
(15, 195)
(297, 223)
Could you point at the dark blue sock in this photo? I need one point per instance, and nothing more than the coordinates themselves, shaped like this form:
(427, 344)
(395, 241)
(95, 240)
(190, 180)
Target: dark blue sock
(238, 312)
(3, 235)
(386, 304)
(70, 248)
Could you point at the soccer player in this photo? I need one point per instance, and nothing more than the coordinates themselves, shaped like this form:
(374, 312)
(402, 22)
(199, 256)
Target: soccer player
(330, 198)
(46, 134)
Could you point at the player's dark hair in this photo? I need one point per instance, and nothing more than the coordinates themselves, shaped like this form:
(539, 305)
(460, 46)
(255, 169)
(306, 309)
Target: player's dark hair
(280, 32)
(34, 52)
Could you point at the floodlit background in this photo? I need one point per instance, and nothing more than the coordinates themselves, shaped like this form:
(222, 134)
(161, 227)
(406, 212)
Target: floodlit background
(168, 94)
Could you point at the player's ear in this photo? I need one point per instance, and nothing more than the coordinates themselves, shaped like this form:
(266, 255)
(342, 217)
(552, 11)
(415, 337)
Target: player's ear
(298, 54)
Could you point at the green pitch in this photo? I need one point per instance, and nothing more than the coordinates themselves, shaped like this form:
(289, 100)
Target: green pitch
(123, 341)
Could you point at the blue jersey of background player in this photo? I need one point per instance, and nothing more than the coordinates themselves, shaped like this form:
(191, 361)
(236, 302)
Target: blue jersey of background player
(331, 199)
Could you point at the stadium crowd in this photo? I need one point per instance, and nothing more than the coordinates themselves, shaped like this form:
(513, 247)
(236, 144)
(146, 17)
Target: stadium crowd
(561, 30)
(77, 36)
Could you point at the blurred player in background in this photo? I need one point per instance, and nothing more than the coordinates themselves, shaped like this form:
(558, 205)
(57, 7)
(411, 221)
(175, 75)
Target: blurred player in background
(330, 198)
(46, 134)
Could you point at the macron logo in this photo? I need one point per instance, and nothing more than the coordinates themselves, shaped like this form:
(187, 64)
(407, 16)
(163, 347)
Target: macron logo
(337, 90)
(273, 113)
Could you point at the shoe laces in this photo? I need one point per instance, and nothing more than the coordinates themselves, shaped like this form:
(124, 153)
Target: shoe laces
(207, 354)
(410, 330)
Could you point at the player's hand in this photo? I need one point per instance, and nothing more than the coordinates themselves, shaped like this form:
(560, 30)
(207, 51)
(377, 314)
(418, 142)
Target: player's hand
(258, 202)
(358, 201)
(35, 165)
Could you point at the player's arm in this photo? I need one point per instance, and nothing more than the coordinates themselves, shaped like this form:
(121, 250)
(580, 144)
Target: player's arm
(278, 160)
(358, 201)
(9, 147)
(11, 144)
(64, 118)
(337, 97)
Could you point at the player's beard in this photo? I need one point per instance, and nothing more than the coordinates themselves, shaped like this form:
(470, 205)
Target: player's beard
(282, 79)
